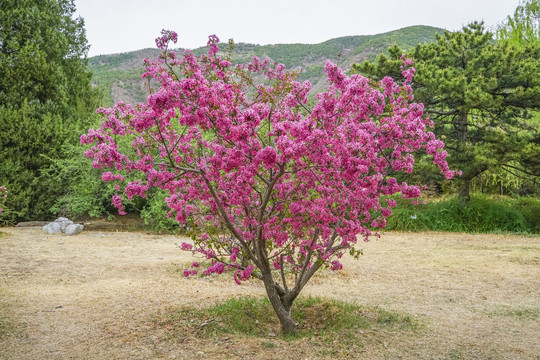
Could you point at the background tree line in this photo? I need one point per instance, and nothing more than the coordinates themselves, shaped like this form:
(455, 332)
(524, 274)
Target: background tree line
(46, 100)
(481, 90)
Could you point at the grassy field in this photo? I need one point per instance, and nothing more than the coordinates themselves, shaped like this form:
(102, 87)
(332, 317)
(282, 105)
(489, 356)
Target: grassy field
(116, 295)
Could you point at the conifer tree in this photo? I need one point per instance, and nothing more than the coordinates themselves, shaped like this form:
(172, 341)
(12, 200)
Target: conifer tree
(480, 94)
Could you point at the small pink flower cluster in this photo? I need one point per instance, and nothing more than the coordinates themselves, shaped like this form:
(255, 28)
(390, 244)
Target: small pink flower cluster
(215, 268)
(186, 247)
(243, 275)
(109, 176)
(336, 265)
(193, 270)
(166, 36)
(117, 202)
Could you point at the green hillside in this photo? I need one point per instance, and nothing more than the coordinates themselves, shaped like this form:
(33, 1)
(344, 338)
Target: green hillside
(119, 75)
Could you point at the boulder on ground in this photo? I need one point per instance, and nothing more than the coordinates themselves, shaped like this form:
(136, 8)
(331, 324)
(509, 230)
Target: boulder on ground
(52, 228)
(73, 229)
(62, 225)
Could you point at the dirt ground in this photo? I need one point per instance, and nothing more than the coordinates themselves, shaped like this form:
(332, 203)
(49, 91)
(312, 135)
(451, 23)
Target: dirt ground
(93, 296)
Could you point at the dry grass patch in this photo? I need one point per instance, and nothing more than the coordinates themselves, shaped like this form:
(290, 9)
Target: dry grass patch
(114, 295)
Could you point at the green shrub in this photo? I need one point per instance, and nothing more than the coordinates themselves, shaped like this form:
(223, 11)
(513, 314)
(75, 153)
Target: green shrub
(154, 213)
(407, 217)
(484, 214)
(530, 208)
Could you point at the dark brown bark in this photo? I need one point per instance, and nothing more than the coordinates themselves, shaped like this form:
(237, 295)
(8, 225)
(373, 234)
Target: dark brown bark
(464, 193)
(282, 298)
(462, 128)
(281, 304)
(464, 188)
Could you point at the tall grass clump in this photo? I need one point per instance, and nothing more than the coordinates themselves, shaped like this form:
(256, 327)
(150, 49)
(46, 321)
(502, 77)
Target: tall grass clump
(530, 208)
(484, 214)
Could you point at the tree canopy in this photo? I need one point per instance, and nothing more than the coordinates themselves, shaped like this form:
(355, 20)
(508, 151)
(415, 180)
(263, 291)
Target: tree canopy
(46, 98)
(480, 94)
(523, 27)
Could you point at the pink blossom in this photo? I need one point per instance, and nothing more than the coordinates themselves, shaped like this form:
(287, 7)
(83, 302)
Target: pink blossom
(386, 212)
(166, 36)
(216, 268)
(109, 176)
(336, 265)
(188, 273)
(252, 171)
(117, 202)
(269, 157)
(186, 246)
(213, 42)
(244, 275)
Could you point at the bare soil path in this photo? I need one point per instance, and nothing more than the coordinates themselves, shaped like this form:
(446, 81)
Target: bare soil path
(93, 296)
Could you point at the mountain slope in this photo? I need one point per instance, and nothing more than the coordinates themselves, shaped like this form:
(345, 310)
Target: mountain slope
(119, 75)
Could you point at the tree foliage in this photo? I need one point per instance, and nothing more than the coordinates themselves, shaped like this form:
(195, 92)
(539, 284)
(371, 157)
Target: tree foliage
(3, 195)
(45, 97)
(270, 189)
(523, 27)
(481, 94)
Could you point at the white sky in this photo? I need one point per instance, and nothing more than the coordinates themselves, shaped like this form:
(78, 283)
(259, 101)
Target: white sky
(114, 26)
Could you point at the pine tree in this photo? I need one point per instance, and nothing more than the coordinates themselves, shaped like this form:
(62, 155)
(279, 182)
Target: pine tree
(480, 94)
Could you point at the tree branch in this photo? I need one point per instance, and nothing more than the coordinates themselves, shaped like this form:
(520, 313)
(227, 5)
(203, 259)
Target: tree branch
(282, 271)
(228, 222)
(308, 258)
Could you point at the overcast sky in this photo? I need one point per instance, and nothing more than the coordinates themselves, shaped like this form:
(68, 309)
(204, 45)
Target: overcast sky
(114, 26)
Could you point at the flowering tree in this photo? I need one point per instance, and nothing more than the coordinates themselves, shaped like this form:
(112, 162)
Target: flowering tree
(271, 190)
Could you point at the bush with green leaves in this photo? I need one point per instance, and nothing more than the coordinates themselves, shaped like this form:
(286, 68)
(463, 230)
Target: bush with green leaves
(485, 214)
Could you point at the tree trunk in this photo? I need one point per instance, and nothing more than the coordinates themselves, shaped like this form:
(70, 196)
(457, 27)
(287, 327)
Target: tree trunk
(283, 311)
(282, 308)
(462, 129)
(288, 325)
(464, 193)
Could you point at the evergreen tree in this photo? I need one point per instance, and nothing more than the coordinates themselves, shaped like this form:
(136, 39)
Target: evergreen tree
(480, 94)
(522, 29)
(46, 99)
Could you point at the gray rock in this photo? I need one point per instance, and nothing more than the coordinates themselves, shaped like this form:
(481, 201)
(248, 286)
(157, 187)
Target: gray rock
(64, 223)
(73, 229)
(52, 228)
